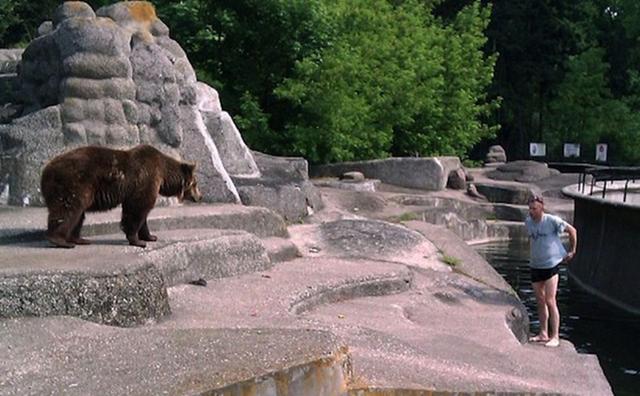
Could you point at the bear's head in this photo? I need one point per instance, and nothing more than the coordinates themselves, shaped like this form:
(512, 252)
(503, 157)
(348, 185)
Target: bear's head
(190, 189)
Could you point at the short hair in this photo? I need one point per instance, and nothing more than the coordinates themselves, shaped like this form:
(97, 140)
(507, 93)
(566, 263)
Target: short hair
(536, 198)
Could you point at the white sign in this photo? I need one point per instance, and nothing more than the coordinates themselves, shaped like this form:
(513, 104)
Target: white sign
(571, 150)
(537, 149)
(601, 152)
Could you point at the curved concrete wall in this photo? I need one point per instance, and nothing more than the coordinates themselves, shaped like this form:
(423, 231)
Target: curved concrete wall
(607, 263)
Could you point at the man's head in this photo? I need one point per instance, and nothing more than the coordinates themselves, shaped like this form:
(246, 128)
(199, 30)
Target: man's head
(536, 207)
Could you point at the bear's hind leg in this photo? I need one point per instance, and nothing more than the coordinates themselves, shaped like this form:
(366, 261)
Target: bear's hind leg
(60, 226)
(144, 233)
(75, 233)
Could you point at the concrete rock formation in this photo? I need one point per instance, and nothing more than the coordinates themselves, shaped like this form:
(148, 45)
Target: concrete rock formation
(473, 192)
(347, 305)
(522, 171)
(496, 154)
(115, 78)
(355, 176)
(283, 186)
(457, 179)
(9, 60)
(429, 174)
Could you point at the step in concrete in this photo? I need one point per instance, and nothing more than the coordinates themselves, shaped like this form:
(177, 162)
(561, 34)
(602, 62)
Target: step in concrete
(28, 224)
(114, 283)
(274, 297)
(280, 249)
(73, 357)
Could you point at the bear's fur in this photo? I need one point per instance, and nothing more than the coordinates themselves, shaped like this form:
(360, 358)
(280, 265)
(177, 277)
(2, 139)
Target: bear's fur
(94, 178)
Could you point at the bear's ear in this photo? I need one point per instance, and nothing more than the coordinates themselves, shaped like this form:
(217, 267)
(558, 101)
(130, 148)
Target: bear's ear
(188, 168)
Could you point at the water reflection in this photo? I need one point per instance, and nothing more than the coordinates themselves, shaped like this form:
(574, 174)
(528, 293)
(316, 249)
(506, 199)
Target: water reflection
(589, 323)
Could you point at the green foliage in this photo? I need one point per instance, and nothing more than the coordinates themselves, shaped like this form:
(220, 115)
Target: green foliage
(344, 98)
(567, 73)
(470, 163)
(467, 74)
(450, 260)
(591, 106)
(408, 216)
(336, 80)
(20, 19)
(395, 81)
(8, 19)
(245, 49)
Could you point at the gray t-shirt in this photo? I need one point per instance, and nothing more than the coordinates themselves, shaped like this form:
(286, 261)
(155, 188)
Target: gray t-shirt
(547, 250)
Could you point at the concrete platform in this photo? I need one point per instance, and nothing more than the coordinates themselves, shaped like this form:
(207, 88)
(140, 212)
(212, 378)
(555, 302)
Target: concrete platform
(65, 356)
(412, 324)
(113, 283)
(29, 223)
(418, 328)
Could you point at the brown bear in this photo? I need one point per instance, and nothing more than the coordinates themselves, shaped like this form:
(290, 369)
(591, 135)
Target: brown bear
(96, 178)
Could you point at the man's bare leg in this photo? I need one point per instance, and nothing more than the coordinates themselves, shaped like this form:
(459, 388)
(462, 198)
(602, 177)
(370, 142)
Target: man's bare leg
(550, 291)
(543, 312)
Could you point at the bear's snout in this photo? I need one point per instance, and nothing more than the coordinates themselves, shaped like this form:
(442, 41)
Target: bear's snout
(193, 194)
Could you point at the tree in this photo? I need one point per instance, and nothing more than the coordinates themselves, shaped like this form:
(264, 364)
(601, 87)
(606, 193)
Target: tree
(395, 81)
(533, 39)
(245, 49)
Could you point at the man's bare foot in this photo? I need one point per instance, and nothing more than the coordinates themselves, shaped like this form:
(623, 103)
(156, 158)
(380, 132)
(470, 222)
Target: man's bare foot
(539, 338)
(554, 342)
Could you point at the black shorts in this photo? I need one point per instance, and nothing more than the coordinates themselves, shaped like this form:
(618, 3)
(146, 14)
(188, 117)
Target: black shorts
(542, 274)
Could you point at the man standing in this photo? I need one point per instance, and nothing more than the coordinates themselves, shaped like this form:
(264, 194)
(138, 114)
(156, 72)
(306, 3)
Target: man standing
(547, 253)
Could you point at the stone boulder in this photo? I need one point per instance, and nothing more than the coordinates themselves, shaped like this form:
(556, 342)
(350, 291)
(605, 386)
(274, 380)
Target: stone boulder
(496, 154)
(236, 156)
(283, 186)
(366, 185)
(9, 61)
(371, 238)
(457, 179)
(359, 238)
(26, 146)
(352, 176)
(522, 171)
(421, 173)
(507, 193)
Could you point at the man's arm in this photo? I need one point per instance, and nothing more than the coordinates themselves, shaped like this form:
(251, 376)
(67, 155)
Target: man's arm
(573, 240)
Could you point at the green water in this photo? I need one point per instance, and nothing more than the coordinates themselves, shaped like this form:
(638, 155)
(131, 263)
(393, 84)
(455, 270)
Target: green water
(592, 325)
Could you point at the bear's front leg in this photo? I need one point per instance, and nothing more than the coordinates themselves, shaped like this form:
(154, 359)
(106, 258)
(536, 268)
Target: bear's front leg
(133, 217)
(145, 234)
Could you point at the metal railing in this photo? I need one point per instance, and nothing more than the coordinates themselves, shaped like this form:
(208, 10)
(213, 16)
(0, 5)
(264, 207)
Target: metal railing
(610, 174)
(600, 173)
